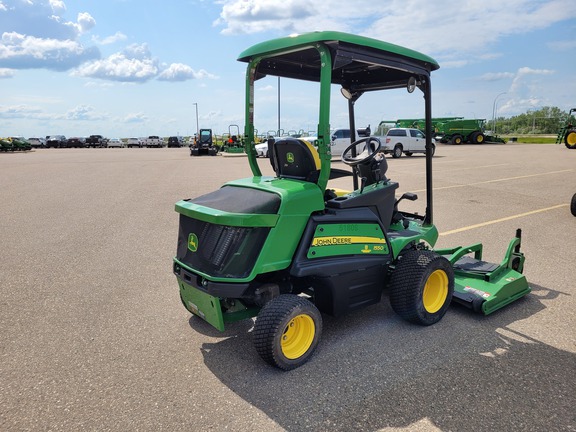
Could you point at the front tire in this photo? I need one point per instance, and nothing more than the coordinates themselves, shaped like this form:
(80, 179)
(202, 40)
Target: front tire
(421, 287)
(573, 205)
(287, 331)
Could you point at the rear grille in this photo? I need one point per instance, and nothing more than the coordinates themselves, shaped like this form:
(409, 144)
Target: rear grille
(221, 251)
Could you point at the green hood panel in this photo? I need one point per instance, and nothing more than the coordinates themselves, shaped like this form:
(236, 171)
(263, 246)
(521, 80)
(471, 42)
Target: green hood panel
(299, 200)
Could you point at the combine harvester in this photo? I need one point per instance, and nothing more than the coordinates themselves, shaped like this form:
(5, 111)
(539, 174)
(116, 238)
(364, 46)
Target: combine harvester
(451, 130)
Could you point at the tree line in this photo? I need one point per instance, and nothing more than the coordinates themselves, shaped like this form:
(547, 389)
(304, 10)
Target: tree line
(546, 120)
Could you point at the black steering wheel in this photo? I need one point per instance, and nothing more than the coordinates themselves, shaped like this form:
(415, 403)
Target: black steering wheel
(370, 150)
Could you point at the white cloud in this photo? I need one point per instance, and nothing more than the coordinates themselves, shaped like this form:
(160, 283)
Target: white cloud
(23, 111)
(497, 76)
(6, 73)
(84, 112)
(527, 90)
(477, 24)
(135, 118)
(18, 51)
(435, 28)
(57, 6)
(36, 35)
(134, 64)
(252, 16)
(116, 37)
(177, 72)
(524, 81)
(182, 72)
(85, 22)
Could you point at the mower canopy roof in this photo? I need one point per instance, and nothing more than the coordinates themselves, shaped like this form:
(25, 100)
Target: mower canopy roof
(359, 63)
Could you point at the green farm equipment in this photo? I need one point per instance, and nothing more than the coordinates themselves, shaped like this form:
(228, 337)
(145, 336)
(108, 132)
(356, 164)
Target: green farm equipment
(567, 134)
(20, 143)
(6, 145)
(414, 123)
(233, 140)
(453, 130)
(204, 144)
(457, 131)
(287, 248)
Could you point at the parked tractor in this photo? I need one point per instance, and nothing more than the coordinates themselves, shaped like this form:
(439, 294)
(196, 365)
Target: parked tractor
(232, 142)
(567, 134)
(288, 248)
(204, 144)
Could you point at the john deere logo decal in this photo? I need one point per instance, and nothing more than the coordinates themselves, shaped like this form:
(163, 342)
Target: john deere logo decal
(192, 242)
(290, 157)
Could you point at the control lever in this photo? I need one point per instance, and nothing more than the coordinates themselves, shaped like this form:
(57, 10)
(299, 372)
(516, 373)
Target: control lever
(397, 217)
(363, 181)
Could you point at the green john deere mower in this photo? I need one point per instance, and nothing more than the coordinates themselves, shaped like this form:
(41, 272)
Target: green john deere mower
(288, 248)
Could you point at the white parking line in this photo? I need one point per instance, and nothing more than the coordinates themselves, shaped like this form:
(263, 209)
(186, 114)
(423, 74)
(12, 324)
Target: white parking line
(483, 224)
(497, 180)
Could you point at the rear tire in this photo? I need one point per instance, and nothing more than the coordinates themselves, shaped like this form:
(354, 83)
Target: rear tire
(478, 138)
(287, 331)
(397, 151)
(573, 205)
(570, 139)
(421, 287)
(456, 140)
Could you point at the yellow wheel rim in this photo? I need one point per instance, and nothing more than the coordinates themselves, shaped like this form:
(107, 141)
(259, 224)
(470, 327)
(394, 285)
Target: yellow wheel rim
(298, 336)
(480, 139)
(435, 291)
(571, 138)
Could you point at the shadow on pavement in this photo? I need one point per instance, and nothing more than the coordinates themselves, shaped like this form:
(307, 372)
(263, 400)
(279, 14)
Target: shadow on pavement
(374, 371)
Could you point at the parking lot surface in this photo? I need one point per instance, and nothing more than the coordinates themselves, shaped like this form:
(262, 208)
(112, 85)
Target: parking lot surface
(93, 336)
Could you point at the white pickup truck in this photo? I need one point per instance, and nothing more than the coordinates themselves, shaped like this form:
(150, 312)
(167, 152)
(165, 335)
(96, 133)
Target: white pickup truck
(405, 140)
(153, 141)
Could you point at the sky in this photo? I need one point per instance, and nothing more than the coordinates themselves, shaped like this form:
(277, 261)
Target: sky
(132, 68)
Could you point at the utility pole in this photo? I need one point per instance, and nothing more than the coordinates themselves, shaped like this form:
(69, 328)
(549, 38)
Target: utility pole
(494, 112)
(197, 130)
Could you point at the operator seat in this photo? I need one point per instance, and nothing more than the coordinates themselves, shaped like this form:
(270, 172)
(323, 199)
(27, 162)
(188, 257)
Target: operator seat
(295, 159)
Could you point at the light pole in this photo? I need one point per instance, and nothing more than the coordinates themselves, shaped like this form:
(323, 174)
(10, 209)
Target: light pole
(197, 130)
(278, 134)
(494, 112)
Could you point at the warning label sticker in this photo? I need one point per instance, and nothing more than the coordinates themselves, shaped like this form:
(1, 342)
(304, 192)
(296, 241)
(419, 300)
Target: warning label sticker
(481, 293)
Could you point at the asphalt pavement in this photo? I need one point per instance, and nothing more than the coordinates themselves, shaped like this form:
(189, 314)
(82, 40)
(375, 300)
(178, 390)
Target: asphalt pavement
(93, 336)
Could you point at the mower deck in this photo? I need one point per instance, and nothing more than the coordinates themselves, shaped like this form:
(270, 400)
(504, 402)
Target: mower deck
(484, 286)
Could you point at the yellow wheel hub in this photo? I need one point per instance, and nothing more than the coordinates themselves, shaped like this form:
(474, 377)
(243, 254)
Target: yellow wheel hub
(435, 291)
(298, 336)
(571, 138)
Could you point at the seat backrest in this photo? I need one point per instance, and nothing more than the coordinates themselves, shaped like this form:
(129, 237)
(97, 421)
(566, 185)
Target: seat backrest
(295, 158)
